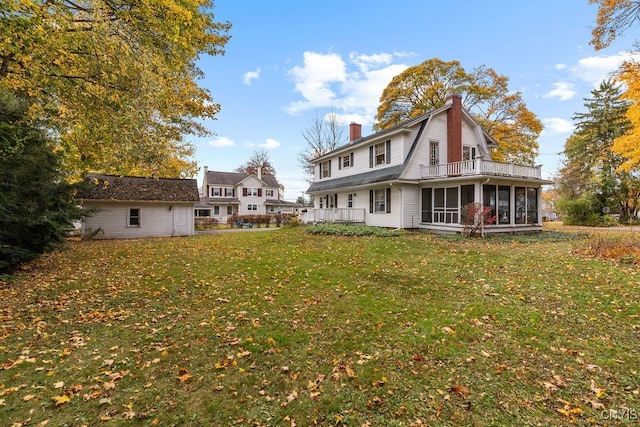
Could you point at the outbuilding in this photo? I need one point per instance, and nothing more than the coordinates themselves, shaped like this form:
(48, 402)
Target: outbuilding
(126, 207)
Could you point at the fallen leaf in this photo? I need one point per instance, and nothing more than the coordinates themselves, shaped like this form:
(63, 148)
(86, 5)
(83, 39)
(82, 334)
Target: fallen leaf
(594, 404)
(184, 377)
(62, 399)
(460, 390)
(59, 384)
(597, 390)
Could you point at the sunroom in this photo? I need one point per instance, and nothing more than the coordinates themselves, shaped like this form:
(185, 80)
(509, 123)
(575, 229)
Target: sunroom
(515, 206)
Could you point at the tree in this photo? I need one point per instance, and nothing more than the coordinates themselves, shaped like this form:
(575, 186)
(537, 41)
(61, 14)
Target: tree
(37, 208)
(323, 135)
(614, 17)
(627, 145)
(114, 80)
(502, 113)
(259, 159)
(592, 167)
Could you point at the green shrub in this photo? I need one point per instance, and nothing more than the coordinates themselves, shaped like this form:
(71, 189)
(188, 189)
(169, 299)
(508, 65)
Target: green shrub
(584, 210)
(352, 230)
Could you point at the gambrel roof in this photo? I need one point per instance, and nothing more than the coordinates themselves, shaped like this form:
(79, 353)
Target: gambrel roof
(130, 188)
(394, 172)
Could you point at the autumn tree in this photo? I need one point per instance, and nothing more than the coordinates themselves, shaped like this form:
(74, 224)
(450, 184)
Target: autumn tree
(502, 113)
(114, 80)
(37, 208)
(592, 168)
(614, 17)
(259, 159)
(323, 135)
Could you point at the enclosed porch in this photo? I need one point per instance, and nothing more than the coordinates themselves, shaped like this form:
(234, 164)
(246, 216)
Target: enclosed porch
(514, 207)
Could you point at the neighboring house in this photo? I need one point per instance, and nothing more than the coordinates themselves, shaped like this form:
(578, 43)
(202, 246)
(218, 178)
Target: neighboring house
(136, 207)
(419, 175)
(228, 193)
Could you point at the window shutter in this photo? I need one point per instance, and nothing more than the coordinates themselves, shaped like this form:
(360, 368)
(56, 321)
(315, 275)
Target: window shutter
(329, 168)
(388, 156)
(320, 170)
(371, 156)
(371, 201)
(336, 199)
(388, 201)
(244, 191)
(339, 163)
(221, 193)
(259, 192)
(351, 158)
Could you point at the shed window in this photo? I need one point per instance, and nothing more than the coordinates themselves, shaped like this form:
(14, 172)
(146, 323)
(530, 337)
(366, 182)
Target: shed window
(134, 217)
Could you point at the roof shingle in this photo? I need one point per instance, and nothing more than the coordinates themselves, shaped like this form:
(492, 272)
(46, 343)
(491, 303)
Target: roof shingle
(127, 188)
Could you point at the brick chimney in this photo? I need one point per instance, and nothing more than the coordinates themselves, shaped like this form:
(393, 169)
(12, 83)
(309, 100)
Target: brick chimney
(454, 128)
(205, 193)
(355, 131)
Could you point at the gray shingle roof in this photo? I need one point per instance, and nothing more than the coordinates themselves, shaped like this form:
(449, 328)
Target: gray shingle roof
(128, 188)
(378, 175)
(234, 178)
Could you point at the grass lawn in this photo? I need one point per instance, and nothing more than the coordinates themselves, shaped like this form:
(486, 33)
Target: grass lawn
(284, 328)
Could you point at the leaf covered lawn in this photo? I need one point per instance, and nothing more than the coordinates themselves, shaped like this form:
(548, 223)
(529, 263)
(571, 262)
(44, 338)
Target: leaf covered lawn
(284, 328)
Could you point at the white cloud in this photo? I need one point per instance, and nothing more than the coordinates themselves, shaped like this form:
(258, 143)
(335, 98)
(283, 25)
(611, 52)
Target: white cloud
(595, 69)
(314, 79)
(562, 91)
(222, 141)
(557, 125)
(268, 144)
(352, 87)
(364, 62)
(249, 76)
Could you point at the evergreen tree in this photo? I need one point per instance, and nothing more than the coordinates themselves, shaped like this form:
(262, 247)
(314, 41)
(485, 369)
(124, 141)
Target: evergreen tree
(36, 207)
(591, 169)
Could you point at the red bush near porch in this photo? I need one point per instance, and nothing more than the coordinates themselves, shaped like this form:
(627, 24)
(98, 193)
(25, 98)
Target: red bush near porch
(475, 216)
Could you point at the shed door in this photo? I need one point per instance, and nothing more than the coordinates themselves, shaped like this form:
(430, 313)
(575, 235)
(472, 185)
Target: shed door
(180, 222)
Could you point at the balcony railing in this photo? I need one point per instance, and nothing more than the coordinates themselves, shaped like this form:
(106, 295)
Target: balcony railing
(345, 215)
(479, 166)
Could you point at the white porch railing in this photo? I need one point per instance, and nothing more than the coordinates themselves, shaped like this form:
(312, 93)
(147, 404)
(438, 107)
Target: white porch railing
(347, 215)
(479, 166)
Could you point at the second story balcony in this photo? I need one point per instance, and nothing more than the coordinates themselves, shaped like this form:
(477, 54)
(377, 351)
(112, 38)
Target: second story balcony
(479, 166)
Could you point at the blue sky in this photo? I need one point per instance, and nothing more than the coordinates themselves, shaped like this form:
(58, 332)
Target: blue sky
(289, 61)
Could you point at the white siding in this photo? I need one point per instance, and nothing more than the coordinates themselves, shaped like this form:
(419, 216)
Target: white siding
(412, 210)
(245, 201)
(435, 131)
(156, 220)
(380, 219)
